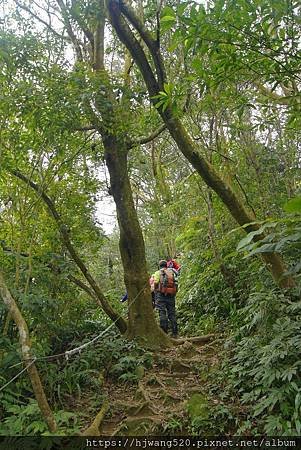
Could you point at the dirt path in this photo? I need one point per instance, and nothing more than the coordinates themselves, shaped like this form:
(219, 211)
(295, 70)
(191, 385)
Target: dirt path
(160, 402)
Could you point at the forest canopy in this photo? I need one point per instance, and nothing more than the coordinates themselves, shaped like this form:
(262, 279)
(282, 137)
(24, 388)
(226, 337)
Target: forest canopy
(185, 116)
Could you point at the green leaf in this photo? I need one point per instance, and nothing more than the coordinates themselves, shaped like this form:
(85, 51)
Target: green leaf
(168, 19)
(181, 8)
(293, 205)
(297, 401)
(266, 248)
(246, 240)
(168, 11)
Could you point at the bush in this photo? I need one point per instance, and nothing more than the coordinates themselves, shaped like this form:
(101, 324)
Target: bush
(266, 362)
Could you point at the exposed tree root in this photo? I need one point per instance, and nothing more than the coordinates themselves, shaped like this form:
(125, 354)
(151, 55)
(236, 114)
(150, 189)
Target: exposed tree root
(162, 394)
(188, 350)
(93, 429)
(154, 380)
(176, 374)
(141, 393)
(179, 366)
(196, 339)
(142, 409)
(211, 344)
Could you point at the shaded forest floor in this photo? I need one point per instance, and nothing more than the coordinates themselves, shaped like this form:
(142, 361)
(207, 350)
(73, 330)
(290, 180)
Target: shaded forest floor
(170, 398)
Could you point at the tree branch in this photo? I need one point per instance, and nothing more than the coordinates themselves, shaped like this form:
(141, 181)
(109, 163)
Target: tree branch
(98, 50)
(64, 232)
(89, 35)
(70, 31)
(180, 135)
(151, 137)
(151, 43)
(129, 40)
(273, 96)
(81, 285)
(245, 194)
(39, 19)
(84, 287)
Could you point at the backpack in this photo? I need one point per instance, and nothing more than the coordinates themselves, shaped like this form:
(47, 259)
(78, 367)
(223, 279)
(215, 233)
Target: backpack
(168, 283)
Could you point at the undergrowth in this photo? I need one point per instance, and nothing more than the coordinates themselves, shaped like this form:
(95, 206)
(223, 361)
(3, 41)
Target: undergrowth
(67, 383)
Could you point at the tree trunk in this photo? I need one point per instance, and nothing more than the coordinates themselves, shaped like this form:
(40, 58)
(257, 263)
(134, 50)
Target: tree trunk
(142, 324)
(27, 356)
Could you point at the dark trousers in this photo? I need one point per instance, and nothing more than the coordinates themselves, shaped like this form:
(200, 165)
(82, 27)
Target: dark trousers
(165, 304)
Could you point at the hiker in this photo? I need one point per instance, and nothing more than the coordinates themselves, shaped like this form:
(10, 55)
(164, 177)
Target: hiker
(173, 264)
(165, 282)
(124, 298)
(152, 287)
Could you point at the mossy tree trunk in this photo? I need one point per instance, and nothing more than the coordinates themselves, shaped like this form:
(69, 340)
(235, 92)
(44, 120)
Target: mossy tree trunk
(27, 355)
(142, 324)
(239, 212)
(101, 111)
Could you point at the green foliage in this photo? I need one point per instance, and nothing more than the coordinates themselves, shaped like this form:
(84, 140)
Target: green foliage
(206, 416)
(266, 363)
(66, 381)
(164, 97)
(27, 420)
(281, 236)
(172, 96)
(234, 67)
(210, 293)
(198, 409)
(173, 425)
(131, 368)
(293, 205)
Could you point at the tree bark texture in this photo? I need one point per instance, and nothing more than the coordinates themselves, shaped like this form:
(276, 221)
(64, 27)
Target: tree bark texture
(27, 356)
(142, 323)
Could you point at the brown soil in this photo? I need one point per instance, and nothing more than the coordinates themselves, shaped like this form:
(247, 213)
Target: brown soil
(157, 404)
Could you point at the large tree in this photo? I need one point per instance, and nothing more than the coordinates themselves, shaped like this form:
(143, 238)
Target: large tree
(103, 111)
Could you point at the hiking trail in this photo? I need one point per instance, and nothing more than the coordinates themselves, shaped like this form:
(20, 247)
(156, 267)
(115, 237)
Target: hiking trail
(158, 403)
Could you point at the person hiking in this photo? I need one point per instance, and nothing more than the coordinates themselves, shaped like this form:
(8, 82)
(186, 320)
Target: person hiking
(173, 264)
(165, 283)
(124, 297)
(152, 288)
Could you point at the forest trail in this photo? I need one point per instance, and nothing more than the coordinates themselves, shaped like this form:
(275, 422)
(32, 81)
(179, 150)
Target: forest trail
(160, 401)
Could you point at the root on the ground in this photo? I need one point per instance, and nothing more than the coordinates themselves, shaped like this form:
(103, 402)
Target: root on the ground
(93, 429)
(196, 339)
